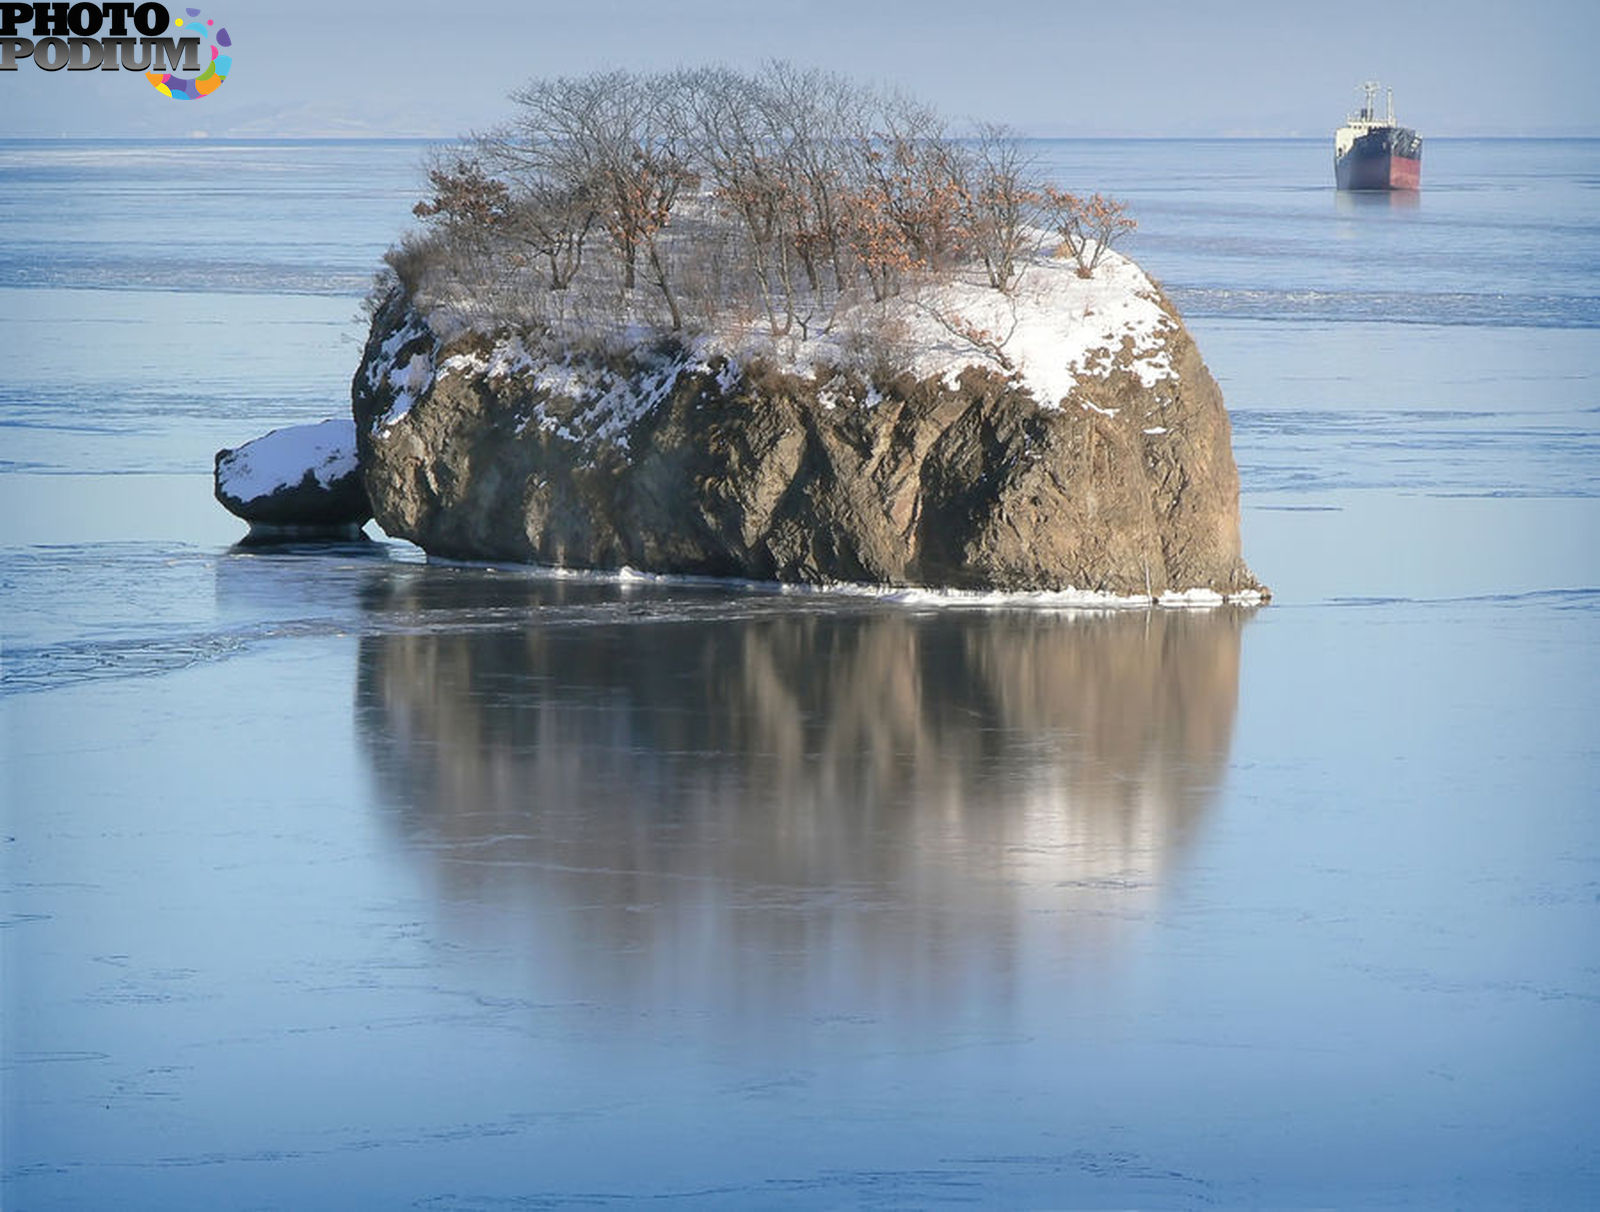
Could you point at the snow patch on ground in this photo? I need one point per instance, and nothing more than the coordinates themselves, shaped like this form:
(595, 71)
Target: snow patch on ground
(1052, 331)
(281, 459)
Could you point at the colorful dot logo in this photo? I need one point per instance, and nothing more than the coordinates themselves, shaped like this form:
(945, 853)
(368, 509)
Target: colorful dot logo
(180, 88)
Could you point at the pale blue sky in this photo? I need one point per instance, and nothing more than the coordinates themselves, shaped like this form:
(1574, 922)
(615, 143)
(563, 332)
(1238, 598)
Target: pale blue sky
(1156, 67)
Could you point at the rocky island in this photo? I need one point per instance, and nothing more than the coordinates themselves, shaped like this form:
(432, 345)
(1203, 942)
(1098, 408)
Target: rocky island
(783, 329)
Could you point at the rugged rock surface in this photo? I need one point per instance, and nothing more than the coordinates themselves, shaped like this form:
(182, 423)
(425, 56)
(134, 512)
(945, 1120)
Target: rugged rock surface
(686, 460)
(299, 481)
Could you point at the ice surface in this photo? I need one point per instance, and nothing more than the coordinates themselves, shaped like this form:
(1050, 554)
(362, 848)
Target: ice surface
(348, 872)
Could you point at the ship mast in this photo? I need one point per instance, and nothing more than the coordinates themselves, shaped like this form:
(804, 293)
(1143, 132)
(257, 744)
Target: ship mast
(1369, 103)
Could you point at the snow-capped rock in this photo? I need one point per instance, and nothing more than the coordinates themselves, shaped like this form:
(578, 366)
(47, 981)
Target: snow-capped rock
(299, 481)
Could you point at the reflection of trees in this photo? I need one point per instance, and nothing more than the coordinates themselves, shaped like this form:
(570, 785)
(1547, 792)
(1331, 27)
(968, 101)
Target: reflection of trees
(857, 794)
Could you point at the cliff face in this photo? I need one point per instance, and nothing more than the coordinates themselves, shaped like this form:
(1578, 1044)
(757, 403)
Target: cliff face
(689, 460)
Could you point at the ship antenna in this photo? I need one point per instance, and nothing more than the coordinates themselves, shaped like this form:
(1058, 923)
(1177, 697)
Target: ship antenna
(1391, 107)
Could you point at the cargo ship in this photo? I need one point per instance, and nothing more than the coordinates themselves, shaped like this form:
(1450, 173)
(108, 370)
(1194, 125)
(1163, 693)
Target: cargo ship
(1372, 152)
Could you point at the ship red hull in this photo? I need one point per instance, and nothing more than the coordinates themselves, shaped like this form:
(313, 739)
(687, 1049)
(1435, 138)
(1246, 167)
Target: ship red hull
(1404, 174)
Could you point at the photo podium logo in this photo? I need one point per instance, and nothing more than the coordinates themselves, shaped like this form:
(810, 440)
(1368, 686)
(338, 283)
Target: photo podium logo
(185, 57)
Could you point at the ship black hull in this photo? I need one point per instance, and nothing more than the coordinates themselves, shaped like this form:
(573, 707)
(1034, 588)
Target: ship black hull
(1390, 158)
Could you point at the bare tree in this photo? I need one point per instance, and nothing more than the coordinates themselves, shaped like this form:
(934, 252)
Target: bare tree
(985, 341)
(773, 195)
(464, 192)
(916, 171)
(461, 260)
(720, 113)
(774, 149)
(528, 214)
(607, 138)
(877, 240)
(1001, 204)
(554, 218)
(1087, 226)
(814, 116)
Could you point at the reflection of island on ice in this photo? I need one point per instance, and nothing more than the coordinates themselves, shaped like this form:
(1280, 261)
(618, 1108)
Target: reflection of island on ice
(873, 798)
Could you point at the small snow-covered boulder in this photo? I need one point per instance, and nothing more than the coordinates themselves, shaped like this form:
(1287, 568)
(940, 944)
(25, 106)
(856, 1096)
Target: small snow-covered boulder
(299, 481)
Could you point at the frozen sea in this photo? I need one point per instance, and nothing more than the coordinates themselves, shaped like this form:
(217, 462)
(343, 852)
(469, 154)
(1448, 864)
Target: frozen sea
(337, 879)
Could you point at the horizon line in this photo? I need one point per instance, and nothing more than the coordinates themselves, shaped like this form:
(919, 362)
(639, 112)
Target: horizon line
(207, 137)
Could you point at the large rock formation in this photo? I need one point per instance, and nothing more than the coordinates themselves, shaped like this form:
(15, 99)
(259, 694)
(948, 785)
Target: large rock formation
(1090, 450)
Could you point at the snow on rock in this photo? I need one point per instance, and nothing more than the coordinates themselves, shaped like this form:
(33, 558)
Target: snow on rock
(299, 476)
(591, 404)
(404, 365)
(284, 457)
(409, 381)
(1053, 330)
